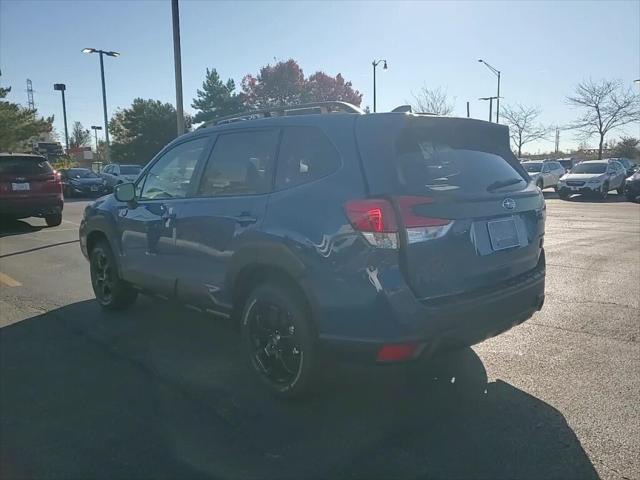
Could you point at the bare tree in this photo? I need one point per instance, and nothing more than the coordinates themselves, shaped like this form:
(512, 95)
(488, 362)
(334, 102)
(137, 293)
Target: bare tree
(606, 105)
(523, 125)
(434, 101)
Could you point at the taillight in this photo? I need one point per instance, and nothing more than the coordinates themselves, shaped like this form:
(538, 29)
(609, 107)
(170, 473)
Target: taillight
(375, 219)
(421, 228)
(397, 352)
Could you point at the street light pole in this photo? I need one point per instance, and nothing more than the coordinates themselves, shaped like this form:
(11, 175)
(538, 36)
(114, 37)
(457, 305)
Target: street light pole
(95, 129)
(107, 150)
(375, 63)
(62, 87)
(496, 72)
(177, 60)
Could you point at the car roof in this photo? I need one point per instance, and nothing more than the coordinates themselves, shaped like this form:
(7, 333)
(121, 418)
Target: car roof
(604, 160)
(18, 154)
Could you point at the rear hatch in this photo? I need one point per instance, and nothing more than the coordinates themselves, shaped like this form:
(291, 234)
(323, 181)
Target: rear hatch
(27, 177)
(469, 215)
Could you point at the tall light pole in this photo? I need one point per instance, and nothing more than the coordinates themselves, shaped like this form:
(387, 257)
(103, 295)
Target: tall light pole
(62, 87)
(375, 63)
(496, 72)
(95, 129)
(177, 60)
(104, 95)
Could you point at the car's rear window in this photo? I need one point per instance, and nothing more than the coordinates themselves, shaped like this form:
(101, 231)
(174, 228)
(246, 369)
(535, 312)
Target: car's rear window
(130, 169)
(532, 167)
(24, 165)
(429, 164)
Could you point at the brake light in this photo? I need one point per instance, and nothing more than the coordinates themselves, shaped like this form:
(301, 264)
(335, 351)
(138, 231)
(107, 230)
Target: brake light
(375, 219)
(421, 228)
(397, 352)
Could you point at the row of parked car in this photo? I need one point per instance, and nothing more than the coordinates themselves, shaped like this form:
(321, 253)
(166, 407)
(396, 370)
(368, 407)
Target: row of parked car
(592, 177)
(86, 182)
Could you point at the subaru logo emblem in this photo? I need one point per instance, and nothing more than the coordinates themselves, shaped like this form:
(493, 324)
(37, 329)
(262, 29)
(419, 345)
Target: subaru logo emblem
(509, 203)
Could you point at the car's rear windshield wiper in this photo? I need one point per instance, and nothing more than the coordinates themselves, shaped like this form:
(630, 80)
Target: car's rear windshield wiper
(503, 183)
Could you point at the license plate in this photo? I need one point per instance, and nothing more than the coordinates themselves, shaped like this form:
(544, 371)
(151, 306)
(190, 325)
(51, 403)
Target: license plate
(503, 234)
(16, 187)
(94, 188)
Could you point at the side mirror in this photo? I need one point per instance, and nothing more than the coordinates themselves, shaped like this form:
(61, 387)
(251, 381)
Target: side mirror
(125, 192)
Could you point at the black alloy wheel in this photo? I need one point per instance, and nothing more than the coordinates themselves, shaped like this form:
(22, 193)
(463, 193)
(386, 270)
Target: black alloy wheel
(279, 340)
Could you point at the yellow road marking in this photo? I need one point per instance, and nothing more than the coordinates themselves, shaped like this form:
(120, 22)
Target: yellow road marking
(8, 281)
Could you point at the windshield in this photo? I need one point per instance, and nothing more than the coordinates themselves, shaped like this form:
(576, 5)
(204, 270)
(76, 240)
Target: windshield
(532, 167)
(24, 165)
(130, 169)
(589, 168)
(82, 173)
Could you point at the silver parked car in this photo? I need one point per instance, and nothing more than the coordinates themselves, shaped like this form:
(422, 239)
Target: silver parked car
(595, 177)
(544, 173)
(115, 174)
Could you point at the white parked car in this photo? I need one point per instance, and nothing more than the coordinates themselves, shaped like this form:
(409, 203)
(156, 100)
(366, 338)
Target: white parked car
(115, 174)
(544, 173)
(594, 177)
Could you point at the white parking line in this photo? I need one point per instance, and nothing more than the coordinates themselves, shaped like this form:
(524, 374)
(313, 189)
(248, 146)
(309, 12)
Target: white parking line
(72, 223)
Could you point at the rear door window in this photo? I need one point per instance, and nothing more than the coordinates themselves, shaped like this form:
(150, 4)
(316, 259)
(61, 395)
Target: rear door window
(241, 164)
(24, 165)
(427, 165)
(306, 155)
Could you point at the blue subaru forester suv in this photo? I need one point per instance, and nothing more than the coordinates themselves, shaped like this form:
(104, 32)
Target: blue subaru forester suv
(322, 230)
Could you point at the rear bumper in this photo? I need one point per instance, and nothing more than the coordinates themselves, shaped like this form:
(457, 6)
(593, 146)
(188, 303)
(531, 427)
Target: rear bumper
(455, 322)
(86, 190)
(31, 207)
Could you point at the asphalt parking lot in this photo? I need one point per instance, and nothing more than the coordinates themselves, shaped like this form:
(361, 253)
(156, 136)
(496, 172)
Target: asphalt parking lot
(161, 391)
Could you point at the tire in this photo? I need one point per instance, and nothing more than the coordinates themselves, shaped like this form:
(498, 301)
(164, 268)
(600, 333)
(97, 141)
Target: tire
(620, 189)
(279, 340)
(604, 192)
(540, 185)
(563, 195)
(53, 220)
(67, 192)
(110, 290)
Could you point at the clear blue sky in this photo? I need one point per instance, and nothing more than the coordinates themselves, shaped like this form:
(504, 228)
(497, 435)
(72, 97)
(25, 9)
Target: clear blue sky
(542, 48)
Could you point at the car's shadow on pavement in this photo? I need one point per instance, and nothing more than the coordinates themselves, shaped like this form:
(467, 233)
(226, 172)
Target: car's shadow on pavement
(10, 227)
(613, 197)
(163, 392)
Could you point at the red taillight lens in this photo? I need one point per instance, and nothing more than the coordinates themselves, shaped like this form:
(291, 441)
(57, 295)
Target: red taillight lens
(397, 352)
(372, 215)
(411, 219)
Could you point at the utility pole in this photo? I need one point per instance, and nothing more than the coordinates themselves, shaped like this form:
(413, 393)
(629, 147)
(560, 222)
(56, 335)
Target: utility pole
(30, 103)
(491, 99)
(95, 129)
(557, 139)
(468, 110)
(175, 15)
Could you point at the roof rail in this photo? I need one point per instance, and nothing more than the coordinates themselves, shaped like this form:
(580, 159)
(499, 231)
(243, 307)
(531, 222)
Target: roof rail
(300, 109)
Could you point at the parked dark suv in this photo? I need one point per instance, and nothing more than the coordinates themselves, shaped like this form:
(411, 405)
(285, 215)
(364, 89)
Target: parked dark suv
(383, 237)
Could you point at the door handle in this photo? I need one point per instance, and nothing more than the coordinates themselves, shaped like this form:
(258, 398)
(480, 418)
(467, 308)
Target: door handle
(245, 219)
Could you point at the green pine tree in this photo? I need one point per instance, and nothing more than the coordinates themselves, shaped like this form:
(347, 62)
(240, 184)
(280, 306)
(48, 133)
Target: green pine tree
(216, 99)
